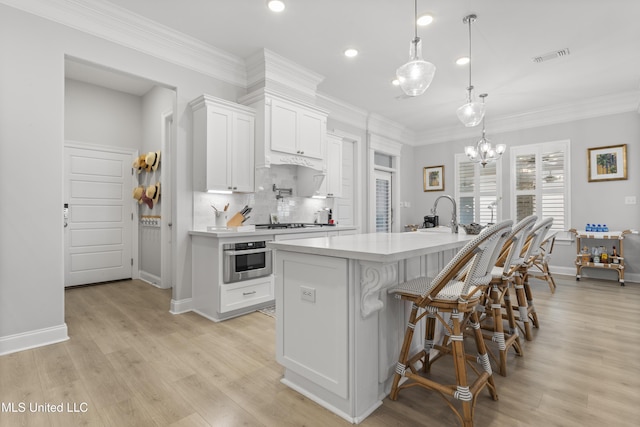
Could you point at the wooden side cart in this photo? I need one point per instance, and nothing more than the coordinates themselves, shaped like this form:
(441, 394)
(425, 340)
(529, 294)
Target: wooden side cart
(614, 263)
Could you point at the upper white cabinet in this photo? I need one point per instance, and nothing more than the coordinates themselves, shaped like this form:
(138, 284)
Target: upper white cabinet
(312, 183)
(333, 182)
(223, 145)
(288, 131)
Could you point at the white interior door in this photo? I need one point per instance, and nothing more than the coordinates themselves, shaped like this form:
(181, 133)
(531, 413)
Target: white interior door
(98, 235)
(384, 212)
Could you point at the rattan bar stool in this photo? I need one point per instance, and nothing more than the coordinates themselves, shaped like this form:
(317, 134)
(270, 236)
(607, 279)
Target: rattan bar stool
(527, 315)
(454, 292)
(498, 306)
(540, 267)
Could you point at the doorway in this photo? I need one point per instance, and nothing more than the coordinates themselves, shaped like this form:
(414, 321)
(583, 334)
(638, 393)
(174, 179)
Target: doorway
(107, 110)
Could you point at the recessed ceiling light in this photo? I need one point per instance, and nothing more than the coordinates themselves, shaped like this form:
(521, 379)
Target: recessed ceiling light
(425, 20)
(395, 82)
(276, 5)
(351, 52)
(462, 61)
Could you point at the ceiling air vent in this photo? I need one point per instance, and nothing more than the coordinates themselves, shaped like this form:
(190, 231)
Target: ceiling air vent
(551, 55)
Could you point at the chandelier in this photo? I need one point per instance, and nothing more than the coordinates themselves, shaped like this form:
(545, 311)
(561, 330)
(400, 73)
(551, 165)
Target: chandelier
(471, 113)
(416, 75)
(483, 152)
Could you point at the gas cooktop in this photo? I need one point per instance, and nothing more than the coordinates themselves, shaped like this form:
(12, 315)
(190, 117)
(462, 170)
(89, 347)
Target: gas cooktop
(292, 225)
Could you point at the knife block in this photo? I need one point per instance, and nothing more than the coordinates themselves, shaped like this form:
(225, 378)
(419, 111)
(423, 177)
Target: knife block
(235, 220)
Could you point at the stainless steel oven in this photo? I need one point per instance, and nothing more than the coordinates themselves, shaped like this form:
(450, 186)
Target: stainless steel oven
(243, 261)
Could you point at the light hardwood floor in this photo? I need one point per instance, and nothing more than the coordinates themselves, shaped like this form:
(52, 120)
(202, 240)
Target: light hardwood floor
(135, 364)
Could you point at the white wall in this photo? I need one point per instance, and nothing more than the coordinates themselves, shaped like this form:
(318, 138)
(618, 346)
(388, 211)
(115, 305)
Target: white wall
(31, 160)
(97, 115)
(599, 202)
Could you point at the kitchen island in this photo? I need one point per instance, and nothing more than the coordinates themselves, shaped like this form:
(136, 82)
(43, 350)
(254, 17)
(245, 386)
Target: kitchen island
(338, 333)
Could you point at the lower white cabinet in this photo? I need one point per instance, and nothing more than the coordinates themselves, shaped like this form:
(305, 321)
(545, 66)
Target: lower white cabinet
(211, 297)
(239, 295)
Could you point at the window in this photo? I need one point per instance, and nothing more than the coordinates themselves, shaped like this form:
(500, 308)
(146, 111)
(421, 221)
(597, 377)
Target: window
(540, 173)
(383, 201)
(477, 191)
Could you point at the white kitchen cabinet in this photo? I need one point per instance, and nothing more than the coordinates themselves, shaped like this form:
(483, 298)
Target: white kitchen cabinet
(297, 129)
(288, 131)
(332, 185)
(312, 183)
(248, 293)
(211, 297)
(223, 145)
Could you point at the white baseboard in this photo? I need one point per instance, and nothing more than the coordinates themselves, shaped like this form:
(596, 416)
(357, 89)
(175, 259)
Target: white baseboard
(33, 339)
(571, 271)
(152, 279)
(181, 306)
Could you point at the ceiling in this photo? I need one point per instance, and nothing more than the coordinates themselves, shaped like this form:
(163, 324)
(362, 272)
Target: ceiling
(602, 37)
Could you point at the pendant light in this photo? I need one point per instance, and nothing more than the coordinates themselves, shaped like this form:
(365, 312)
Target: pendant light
(471, 113)
(416, 75)
(483, 152)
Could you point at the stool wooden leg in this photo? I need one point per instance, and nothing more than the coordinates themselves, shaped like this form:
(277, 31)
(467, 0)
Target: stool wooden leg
(462, 393)
(511, 321)
(429, 343)
(549, 277)
(523, 311)
(483, 356)
(531, 309)
(498, 328)
(401, 366)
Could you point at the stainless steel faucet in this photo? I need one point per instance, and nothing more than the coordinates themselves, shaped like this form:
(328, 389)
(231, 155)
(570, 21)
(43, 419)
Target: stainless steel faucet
(454, 214)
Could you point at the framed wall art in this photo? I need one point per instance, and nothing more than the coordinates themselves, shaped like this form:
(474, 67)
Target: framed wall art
(433, 177)
(607, 163)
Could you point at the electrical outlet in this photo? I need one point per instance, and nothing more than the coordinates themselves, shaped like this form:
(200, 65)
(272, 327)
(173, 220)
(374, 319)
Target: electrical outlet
(307, 294)
(630, 200)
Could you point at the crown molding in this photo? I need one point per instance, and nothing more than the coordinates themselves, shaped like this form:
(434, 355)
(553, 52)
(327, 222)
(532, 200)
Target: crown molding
(342, 111)
(562, 113)
(267, 69)
(113, 23)
(382, 126)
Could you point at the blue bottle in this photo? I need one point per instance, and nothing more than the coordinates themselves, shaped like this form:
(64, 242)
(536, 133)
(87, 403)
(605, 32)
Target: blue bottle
(605, 228)
(589, 228)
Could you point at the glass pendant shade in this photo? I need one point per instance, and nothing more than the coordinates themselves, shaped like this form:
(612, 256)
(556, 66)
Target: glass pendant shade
(416, 75)
(471, 113)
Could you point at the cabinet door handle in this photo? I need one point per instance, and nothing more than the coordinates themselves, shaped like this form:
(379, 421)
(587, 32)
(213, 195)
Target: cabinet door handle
(235, 188)
(248, 293)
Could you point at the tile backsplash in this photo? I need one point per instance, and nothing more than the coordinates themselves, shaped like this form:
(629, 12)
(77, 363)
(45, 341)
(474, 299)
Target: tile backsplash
(263, 201)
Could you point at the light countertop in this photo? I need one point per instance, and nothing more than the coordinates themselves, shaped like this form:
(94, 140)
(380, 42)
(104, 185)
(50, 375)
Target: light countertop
(376, 247)
(271, 231)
